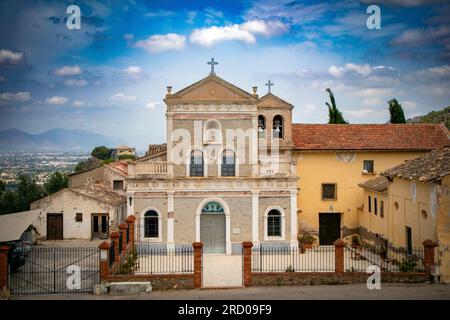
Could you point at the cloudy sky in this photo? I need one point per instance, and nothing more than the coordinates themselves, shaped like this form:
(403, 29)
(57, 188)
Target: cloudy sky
(110, 76)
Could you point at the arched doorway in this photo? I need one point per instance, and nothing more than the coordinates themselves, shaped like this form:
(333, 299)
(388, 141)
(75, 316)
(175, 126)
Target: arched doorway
(213, 228)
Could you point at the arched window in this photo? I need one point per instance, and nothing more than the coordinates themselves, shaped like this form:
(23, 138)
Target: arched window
(278, 127)
(261, 126)
(212, 131)
(212, 208)
(151, 224)
(196, 166)
(274, 223)
(228, 164)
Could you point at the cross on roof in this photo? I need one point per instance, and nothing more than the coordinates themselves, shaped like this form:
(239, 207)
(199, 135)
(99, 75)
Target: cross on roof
(212, 63)
(269, 84)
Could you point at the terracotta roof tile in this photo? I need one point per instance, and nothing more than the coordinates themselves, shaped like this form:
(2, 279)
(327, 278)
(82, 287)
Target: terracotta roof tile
(379, 184)
(430, 167)
(369, 136)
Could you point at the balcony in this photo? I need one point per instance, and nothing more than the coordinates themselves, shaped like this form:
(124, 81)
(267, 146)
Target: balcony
(148, 168)
(272, 168)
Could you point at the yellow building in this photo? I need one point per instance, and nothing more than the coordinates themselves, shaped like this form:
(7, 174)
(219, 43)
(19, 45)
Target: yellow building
(332, 159)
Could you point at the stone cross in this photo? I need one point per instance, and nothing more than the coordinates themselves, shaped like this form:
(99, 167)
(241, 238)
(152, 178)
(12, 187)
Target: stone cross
(212, 63)
(269, 84)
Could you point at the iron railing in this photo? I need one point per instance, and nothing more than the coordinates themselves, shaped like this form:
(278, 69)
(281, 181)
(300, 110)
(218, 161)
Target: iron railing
(161, 260)
(42, 270)
(292, 259)
(390, 259)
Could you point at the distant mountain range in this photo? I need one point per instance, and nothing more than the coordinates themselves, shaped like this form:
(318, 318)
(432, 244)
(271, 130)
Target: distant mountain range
(441, 116)
(53, 140)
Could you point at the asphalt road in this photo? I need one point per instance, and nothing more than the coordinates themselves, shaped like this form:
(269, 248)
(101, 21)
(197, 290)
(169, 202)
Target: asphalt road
(329, 292)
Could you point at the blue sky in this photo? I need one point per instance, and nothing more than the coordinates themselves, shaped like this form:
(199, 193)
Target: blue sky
(110, 76)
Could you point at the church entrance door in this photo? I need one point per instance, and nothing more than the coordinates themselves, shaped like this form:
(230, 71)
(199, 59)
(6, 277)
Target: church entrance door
(212, 228)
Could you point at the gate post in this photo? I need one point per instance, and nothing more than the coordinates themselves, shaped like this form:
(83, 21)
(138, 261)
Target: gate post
(428, 259)
(104, 260)
(123, 230)
(198, 264)
(130, 220)
(339, 245)
(4, 266)
(247, 245)
(115, 237)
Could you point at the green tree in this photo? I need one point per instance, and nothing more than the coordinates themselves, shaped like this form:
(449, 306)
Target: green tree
(396, 112)
(334, 115)
(2, 186)
(56, 182)
(27, 192)
(101, 153)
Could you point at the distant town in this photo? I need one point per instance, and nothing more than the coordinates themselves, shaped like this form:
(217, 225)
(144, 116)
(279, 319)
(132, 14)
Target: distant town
(40, 165)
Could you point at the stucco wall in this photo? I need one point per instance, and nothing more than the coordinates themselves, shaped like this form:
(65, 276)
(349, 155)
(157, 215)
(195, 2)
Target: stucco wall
(443, 228)
(315, 168)
(81, 178)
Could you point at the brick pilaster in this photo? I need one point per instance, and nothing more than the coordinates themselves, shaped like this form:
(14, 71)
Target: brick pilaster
(428, 259)
(123, 230)
(339, 245)
(130, 220)
(104, 259)
(115, 238)
(198, 251)
(4, 266)
(247, 247)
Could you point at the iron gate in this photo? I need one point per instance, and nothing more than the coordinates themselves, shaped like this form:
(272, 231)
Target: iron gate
(43, 270)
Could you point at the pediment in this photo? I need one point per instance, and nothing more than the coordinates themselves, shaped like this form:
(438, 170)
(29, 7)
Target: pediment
(211, 88)
(271, 100)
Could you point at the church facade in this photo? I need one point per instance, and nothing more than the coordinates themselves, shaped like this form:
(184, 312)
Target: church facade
(226, 175)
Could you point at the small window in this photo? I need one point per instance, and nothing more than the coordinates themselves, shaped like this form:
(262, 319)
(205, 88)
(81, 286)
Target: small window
(274, 223)
(151, 224)
(382, 208)
(424, 214)
(375, 206)
(78, 217)
(368, 166)
(261, 126)
(196, 166)
(369, 201)
(328, 191)
(118, 184)
(228, 164)
(396, 205)
(278, 127)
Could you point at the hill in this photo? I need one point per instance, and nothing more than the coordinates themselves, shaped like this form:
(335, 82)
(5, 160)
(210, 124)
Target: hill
(442, 116)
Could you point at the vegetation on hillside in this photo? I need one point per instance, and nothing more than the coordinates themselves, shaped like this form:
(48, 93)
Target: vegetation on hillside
(334, 115)
(441, 116)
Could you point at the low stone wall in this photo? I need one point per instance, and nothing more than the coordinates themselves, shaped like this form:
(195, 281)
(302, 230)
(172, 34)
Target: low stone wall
(318, 278)
(159, 281)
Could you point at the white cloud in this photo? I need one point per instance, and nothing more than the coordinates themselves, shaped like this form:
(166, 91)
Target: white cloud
(75, 82)
(68, 71)
(57, 100)
(18, 96)
(159, 14)
(417, 37)
(208, 37)
(191, 15)
(441, 71)
(128, 36)
(363, 113)
(79, 103)
(160, 42)
(360, 69)
(133, 70)
(152, 105)
(11, 57)
(373, 92)
(121, 97)
(403, 3)
(373, 102)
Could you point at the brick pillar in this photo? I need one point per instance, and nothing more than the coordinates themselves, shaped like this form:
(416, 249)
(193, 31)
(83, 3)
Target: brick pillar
(130, 220)
(104, 260)
(247, 246)
(4, 266)
(339, 245)
(198, 246)
(428, 259)
(115, 237)
(123, 230)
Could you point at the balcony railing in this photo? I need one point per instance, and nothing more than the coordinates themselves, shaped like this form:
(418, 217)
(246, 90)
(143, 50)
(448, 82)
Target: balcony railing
(148, 168)
(275, 168)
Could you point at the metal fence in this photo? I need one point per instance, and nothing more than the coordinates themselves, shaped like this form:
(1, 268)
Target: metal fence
(42, 270)
(153, 260)
(388, 259)
(293, 259)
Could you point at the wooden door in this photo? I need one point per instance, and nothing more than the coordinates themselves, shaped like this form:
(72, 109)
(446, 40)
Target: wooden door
(329, 227)
(55, 226)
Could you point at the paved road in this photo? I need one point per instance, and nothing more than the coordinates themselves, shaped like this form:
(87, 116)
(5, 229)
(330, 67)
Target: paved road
(330, 292)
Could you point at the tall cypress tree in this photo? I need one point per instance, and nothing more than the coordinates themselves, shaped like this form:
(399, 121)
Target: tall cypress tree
(396, 112)
(334, 115)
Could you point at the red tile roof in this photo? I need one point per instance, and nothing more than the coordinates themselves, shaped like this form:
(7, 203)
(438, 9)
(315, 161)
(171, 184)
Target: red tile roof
(369, 136)
(121, 167)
